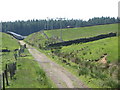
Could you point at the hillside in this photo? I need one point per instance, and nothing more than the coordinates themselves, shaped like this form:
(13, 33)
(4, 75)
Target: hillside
(82, 32)
(96, 62)
(9, 42)
(94, 50)
(24, 74)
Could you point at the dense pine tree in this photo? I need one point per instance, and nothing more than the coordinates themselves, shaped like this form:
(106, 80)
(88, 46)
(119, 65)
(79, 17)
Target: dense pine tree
(30, 26)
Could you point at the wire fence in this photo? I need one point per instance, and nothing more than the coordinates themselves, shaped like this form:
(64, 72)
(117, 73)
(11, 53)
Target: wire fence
(10, 70)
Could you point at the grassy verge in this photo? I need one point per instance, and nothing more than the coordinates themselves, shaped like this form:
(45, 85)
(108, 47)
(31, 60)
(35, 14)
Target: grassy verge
(30, 75)
(72, 69)
(87, 80)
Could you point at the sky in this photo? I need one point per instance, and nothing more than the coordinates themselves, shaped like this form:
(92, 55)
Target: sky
(11, 10)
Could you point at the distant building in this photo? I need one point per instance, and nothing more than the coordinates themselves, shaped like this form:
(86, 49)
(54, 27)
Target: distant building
(69, 27)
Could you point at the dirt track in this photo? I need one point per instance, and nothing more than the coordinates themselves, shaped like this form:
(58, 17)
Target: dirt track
(61, 77)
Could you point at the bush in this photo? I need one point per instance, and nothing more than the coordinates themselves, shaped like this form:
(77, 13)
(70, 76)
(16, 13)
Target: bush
(111, 83)
(83, 71)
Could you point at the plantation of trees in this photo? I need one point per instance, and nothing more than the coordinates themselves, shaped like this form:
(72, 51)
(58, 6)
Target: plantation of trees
(31, 26)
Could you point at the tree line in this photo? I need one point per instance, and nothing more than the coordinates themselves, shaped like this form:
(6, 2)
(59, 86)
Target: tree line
(31, 26)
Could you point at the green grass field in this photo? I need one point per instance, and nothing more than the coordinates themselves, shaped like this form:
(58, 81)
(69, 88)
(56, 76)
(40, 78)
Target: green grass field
(9, 42)
(81, 56)
(36, 38)
(75, 51)
(94, 50)
(92, 73)
(28, 74)
(82, 32)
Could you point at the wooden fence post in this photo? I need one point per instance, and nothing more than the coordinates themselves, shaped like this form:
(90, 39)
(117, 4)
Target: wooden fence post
(15, 65)
(10, 70)
(6, 76)
(14, 68)
(0, 81)
(15, 55)
(19, 52)
(3, 81)
(6, 67)
(24, 45)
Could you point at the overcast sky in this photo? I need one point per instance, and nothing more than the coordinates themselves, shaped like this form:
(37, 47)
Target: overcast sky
(11, 10)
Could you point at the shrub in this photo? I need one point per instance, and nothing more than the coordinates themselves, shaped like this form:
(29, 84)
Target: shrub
(111, 83)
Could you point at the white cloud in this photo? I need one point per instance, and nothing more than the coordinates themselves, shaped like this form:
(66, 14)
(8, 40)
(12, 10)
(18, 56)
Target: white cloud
(40, 9)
